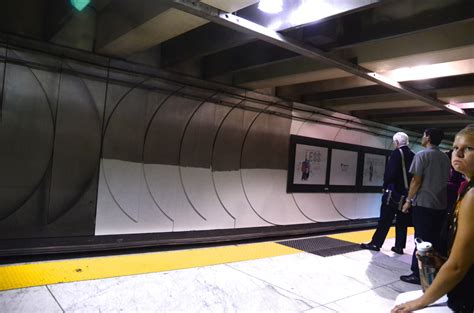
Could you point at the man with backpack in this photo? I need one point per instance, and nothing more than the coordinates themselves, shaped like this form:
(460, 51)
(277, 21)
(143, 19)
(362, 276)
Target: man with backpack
(396, 178)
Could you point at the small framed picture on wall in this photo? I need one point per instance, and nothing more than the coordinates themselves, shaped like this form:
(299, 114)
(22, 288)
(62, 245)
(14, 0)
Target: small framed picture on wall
(343, 168)
(310, 166)
(374, 168)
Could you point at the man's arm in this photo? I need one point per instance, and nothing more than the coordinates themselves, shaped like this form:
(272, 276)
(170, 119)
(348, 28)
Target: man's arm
(415, 185)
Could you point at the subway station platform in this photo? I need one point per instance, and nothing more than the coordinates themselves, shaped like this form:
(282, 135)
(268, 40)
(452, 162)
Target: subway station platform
(313, 274)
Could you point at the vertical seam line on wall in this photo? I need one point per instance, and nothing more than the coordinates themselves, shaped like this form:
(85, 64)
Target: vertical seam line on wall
(143, 153)
(54, 139)
(241, 158)
(212, 158)
(292, 194)
(101, 140)
(88, 183)
(3, 83)
(181, 149)
(105, 131)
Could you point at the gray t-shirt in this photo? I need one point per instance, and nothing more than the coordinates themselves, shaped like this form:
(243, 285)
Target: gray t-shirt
(434, 166)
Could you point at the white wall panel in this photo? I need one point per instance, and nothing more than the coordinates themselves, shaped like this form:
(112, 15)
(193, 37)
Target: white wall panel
(318, 207)
(355, 206)
(266, 191)
(167, 190)
(124, 204)
(320, 131)
(369, 205)
(201, 192)
(231, 193)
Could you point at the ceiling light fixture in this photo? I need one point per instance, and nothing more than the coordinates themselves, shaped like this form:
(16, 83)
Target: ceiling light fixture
(464, 105)
(455, 108)
(311, 11)
(80, 4)
(271, 6)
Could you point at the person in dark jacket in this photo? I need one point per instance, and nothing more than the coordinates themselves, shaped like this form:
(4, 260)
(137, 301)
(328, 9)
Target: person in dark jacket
(394, 186)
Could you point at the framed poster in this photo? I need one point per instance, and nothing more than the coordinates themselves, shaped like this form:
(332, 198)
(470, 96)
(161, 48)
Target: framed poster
(317, 165)
(310, 165)
(343, 168)
(374, 168)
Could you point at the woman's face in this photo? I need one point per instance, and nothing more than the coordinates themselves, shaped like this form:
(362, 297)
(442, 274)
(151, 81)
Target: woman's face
(463, 155)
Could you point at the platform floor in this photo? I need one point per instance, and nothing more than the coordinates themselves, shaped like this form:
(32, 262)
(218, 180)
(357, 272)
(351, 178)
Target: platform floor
(334, 276)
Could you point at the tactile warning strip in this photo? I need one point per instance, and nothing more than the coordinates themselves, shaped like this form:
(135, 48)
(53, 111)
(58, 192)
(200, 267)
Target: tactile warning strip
(323, 246)
(53, 272)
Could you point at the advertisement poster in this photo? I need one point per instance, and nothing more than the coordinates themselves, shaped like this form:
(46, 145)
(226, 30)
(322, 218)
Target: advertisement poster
(374, 167)
(310, 165)
(343, 168)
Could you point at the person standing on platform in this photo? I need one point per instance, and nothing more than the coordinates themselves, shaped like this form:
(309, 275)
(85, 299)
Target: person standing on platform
(395, 186)
(456, 276)
(427, 195)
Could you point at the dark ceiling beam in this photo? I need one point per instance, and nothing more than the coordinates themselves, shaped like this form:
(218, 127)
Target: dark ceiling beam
(235, 59)
(368, 103)
(428, 85)
(25, 17)
(209, 38)
(343, 32)
(277, 39)
(393, 101)
(387, 21)
(296, 92)
(435, 121)
(382, 55)
(305, 91)
(213, 39)
(394, 112)
(349, 93)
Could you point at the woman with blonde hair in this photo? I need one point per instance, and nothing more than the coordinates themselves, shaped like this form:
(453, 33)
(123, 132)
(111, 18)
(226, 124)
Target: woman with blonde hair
(456, 276)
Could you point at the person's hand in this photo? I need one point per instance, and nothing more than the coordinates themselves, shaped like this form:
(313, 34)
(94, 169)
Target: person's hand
(409, 306)
(406, 207)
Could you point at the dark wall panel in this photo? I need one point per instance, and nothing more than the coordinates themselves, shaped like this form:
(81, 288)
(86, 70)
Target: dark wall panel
(26, 139)
(267, 142)
(167, 128)
(77, 145)
(51, 131)
(230, 139)
(196, 150)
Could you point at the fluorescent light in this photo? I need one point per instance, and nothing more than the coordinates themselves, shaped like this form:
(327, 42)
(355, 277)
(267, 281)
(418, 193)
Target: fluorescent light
(455, 108)
(428, 71)
(271, 6)
(310, 11)
(465, 105)
(275, 25)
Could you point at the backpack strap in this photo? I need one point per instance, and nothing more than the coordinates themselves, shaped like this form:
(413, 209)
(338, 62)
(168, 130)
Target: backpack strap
(405, 179)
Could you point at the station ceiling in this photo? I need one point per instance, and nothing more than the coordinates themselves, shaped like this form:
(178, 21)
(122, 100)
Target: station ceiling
(406, 63)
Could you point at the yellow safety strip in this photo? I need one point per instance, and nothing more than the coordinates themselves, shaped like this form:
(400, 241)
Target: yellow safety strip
(366, 235)
(53, 272)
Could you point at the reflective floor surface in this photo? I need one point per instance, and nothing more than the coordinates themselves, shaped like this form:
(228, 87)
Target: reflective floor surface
(263, 277)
